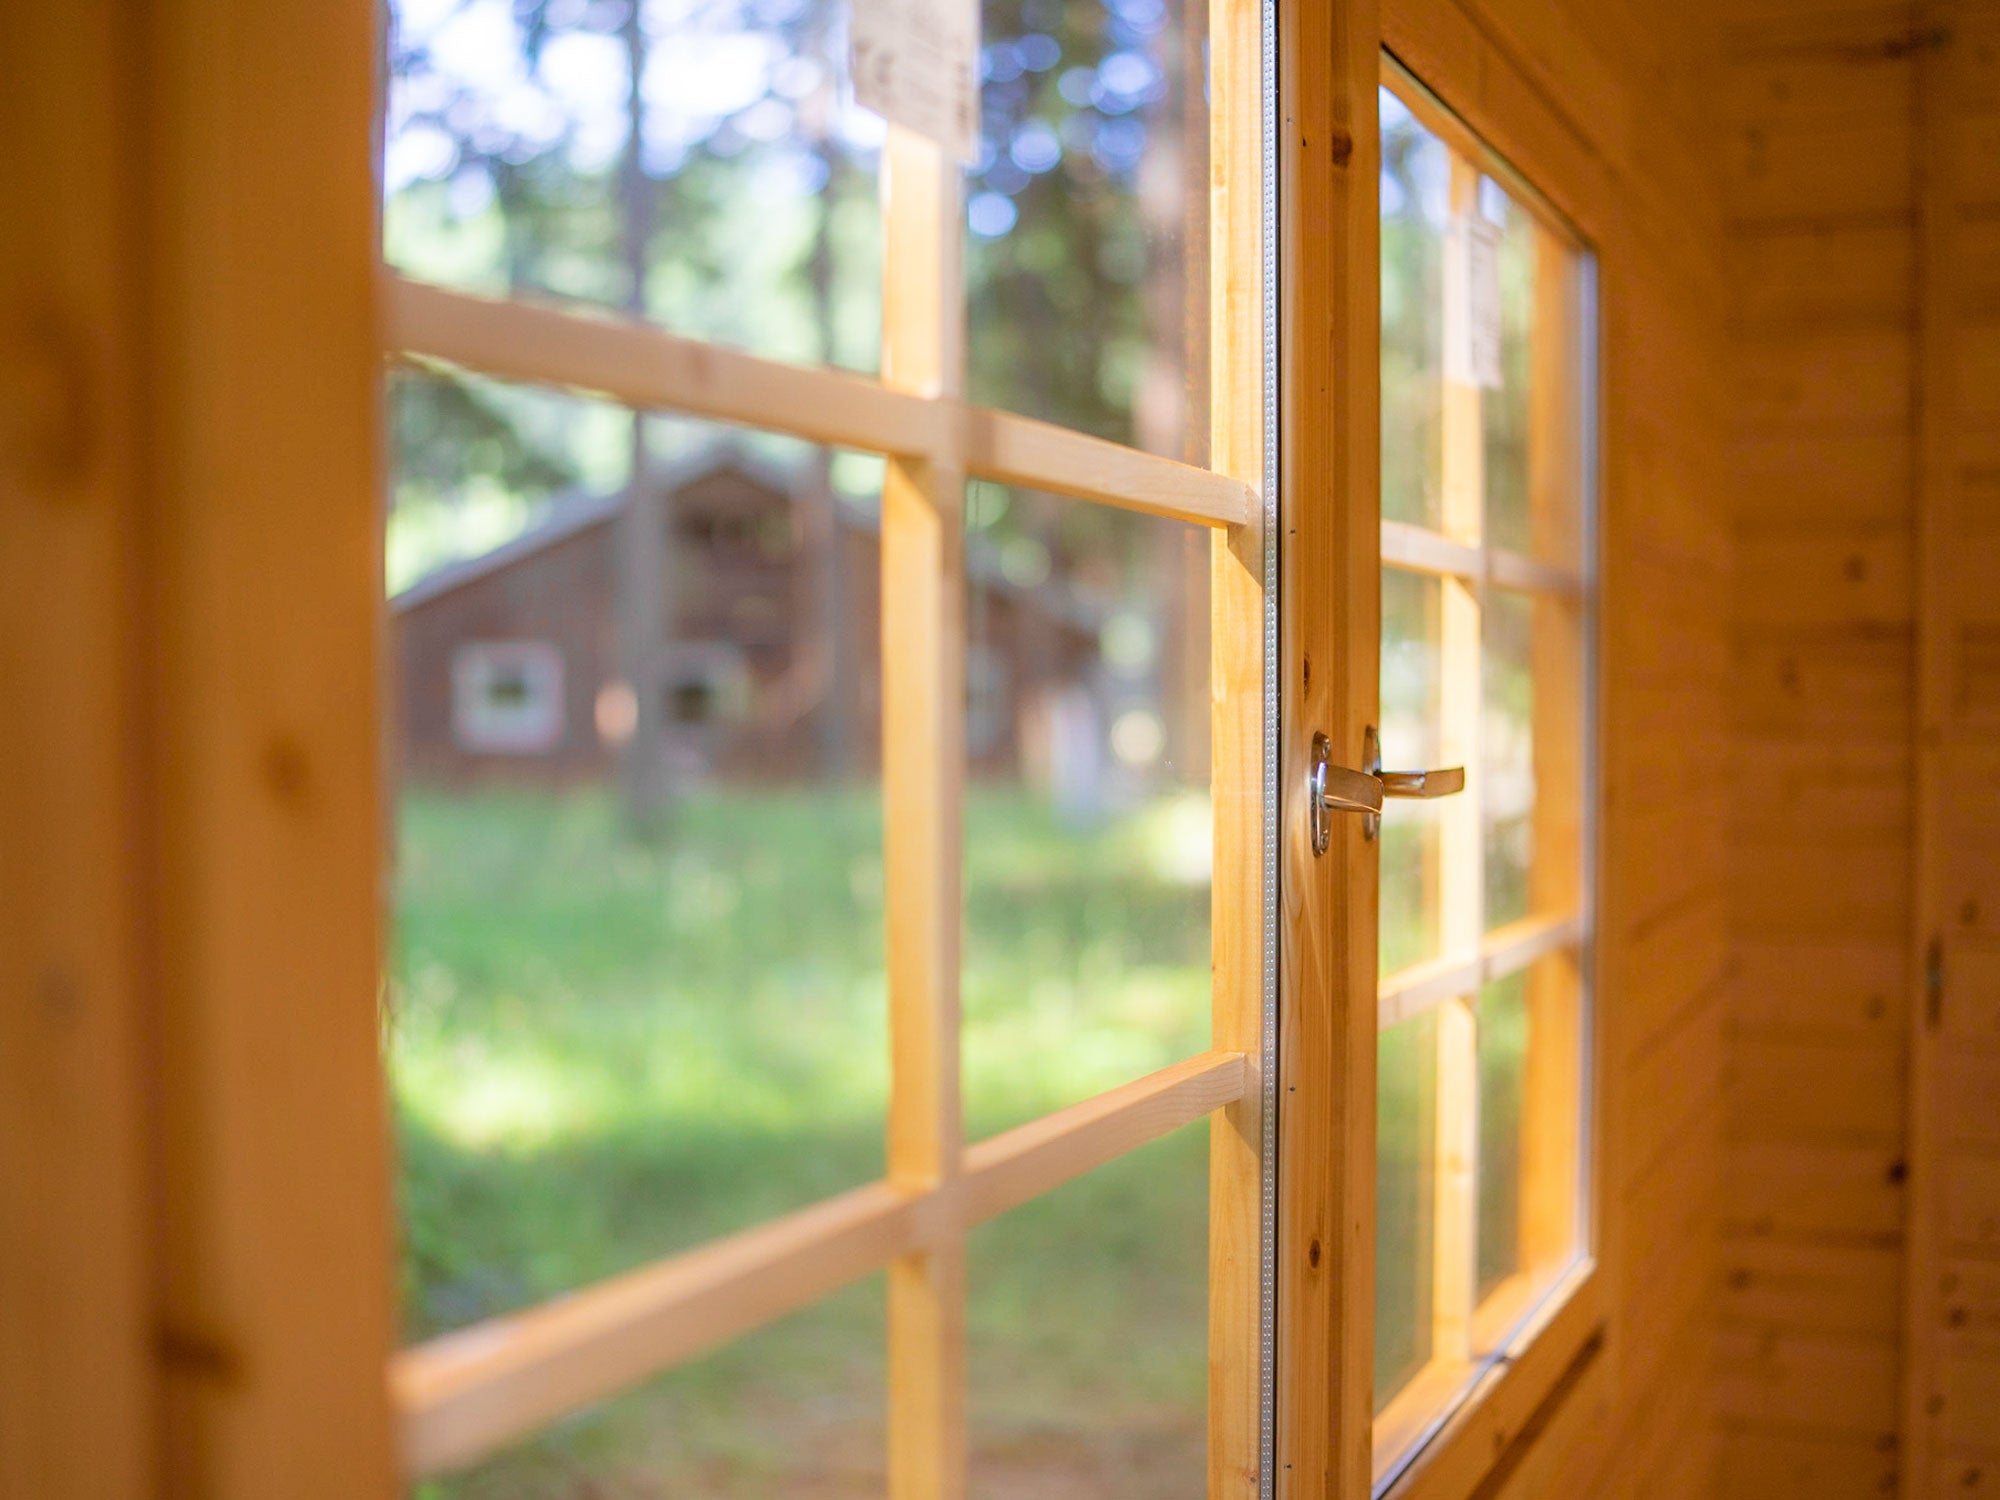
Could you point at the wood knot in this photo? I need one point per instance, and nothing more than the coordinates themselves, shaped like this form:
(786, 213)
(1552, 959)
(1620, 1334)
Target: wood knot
(198, 1354)
(1342, 147)
(48, 435)
(286, 770)
(61, 1000)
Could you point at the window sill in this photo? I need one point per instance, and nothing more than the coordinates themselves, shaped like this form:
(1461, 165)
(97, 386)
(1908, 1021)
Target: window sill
(1430, 1447)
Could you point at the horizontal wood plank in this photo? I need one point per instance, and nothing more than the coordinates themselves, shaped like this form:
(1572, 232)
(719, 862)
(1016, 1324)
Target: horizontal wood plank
(1525, 574)
(648, 367)
(1827, 1382)
(1803, 1288)
(1417, 549)
(465, 1393)
(1836, 1193)
(1813, 1091)
(1028, 1161)
(1011, 449)
(1840, 991)
(1506, 950)
(1801, 575)
(1760, 1463)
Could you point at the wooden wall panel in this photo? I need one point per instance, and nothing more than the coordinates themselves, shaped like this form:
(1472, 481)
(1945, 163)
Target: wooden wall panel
(1809, 1195)
(1815, 276)
(1787, 1466)
(1852, 991)
(1813, 1382)
(1862, 142)
(1847, 1290)
(1816, 106)
(1951, 1385)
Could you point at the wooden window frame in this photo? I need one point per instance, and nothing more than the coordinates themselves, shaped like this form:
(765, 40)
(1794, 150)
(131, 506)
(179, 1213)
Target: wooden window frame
(465, 1394)
(1509, 1350)
(260, 1327)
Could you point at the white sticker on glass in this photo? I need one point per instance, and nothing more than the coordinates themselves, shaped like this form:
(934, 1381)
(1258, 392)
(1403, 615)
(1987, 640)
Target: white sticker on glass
(1472, 301)
(916, 64)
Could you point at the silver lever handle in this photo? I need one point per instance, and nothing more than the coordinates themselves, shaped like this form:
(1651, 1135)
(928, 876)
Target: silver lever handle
(1331, 789)
(1423, 784)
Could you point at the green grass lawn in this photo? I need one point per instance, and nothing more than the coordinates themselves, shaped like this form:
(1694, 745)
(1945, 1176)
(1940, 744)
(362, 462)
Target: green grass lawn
(608, 1047)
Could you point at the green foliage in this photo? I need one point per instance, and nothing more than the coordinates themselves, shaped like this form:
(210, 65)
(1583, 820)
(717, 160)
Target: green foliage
(607, 1046)
(449, 430)
(760, 225)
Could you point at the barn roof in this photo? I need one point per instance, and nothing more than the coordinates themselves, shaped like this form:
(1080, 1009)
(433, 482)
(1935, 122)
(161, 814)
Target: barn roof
(576, 511)
(569, 515)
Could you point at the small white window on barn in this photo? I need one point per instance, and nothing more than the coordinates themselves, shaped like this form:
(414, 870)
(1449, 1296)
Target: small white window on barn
(507, 697)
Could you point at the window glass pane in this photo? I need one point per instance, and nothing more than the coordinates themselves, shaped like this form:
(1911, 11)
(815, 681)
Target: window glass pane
(753, 219)
(635, 994)
(1087, 220)
(1412, 614)
(1482, 403)
(1507, 749)
(1532, 752)
(1088, 838)
(478, 462)
(1531, 1055)
(1503, 408)
(792, 1409)
(1416, 198)
(1087, 1365)
(1503, 1059)
(1405, 1200)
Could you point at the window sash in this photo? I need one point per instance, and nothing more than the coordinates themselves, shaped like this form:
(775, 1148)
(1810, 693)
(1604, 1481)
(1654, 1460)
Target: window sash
(463, 1395)
(1470, 1331)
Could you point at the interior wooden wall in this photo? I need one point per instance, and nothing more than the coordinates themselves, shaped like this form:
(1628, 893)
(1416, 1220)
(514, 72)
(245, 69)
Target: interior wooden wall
(1862, 181)
(1817, 107)
(1951, 1310)
(1603, 104)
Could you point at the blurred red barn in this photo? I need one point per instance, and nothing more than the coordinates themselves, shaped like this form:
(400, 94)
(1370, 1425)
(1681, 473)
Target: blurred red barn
(770, 670)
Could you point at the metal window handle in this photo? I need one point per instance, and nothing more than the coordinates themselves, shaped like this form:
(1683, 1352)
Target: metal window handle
(1423, 784)
(1331, 789)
